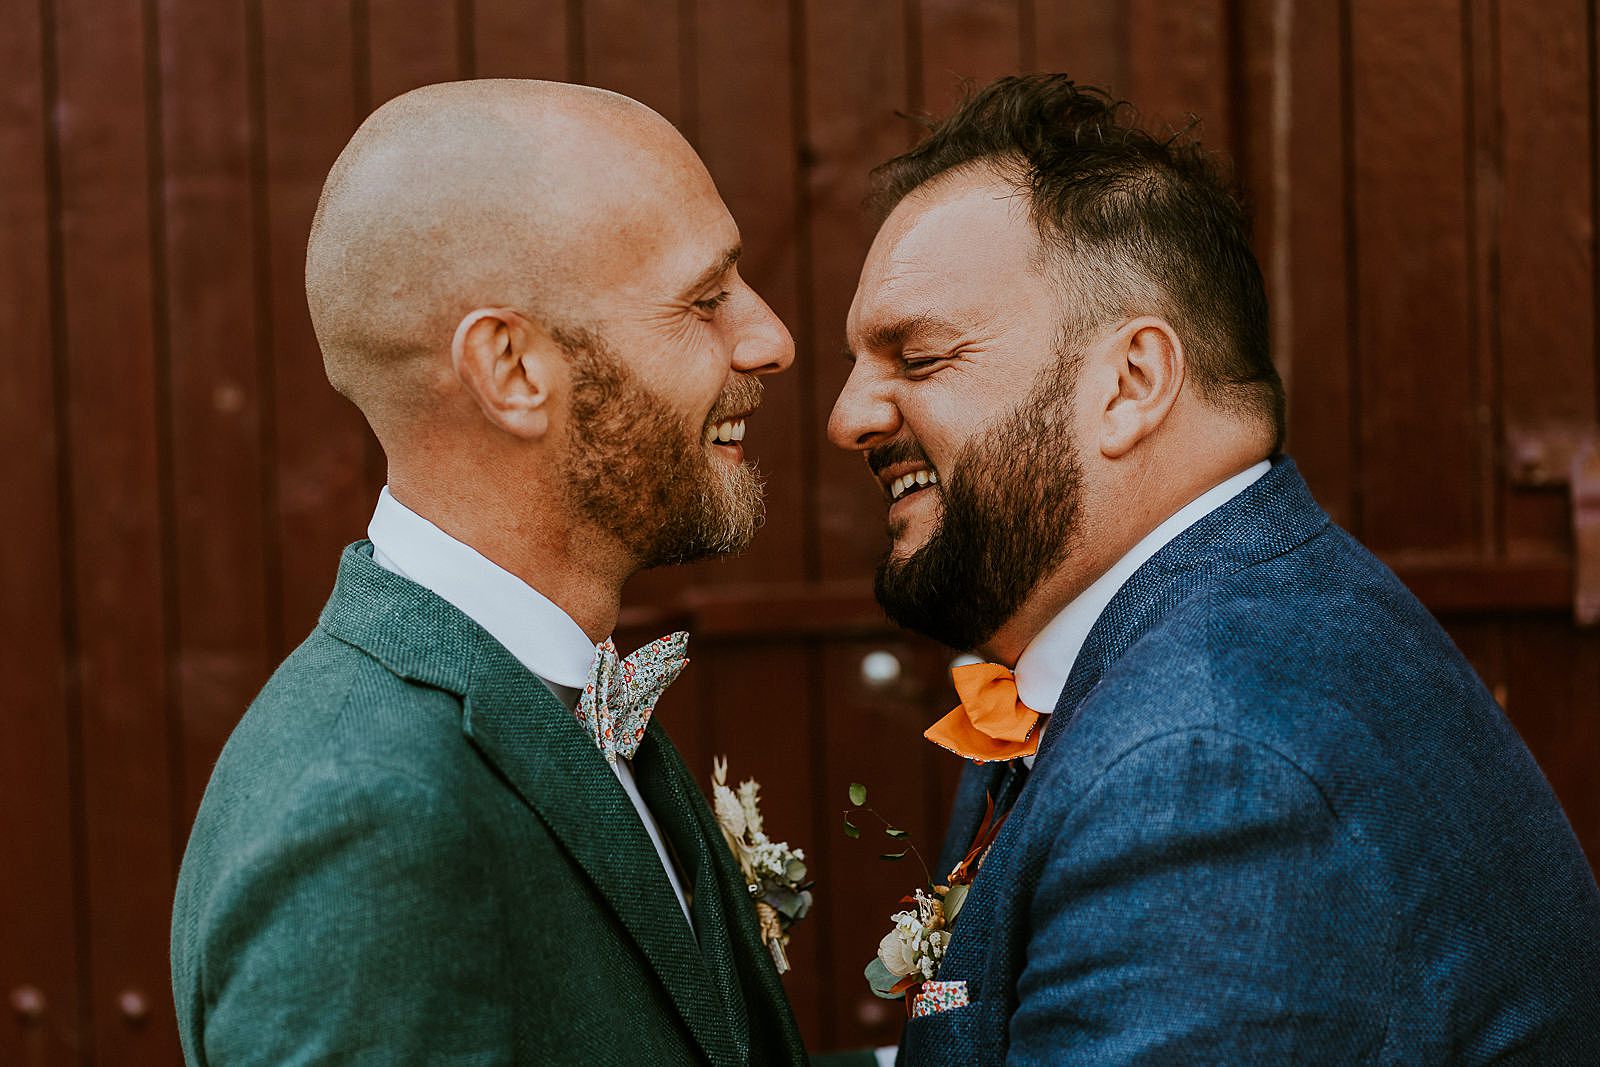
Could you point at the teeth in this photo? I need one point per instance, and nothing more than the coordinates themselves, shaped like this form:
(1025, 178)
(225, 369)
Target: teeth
(902, 484)
(726, 432)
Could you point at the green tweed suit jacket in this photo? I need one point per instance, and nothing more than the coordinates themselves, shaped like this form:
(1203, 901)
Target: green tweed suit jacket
(409, 853)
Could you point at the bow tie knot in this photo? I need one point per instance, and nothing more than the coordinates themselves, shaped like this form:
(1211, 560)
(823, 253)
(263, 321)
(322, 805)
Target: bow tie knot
(991, 722)
(617, 700)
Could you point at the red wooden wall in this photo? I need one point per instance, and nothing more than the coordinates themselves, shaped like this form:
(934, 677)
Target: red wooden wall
(179, 478)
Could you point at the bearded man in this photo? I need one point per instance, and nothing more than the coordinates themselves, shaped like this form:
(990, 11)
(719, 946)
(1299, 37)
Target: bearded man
(1258, 808)
(448, 831)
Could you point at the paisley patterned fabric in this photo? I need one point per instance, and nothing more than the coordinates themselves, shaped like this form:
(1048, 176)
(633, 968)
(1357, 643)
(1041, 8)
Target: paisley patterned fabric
(619, 696)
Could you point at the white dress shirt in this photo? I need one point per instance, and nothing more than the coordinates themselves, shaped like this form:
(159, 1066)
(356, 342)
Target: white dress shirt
(533, 629)
(1044, 666)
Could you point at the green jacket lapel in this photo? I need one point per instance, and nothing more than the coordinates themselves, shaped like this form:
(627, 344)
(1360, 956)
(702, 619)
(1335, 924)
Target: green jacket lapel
(531, 738)
(735, 916)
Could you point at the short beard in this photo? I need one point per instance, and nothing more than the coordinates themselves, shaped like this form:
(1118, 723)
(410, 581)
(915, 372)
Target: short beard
(642, 473)
(1010, 505)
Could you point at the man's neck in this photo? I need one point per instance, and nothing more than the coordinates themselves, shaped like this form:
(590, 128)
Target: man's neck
(576, 568)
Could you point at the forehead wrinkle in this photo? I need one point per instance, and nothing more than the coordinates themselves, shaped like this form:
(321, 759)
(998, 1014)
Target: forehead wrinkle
(895, 332)
(721, 267)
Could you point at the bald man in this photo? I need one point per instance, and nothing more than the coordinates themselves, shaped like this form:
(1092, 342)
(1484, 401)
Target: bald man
(449, 830)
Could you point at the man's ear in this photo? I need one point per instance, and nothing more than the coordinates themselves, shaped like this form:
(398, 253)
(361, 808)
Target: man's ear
(1150, 368)
(509, 365)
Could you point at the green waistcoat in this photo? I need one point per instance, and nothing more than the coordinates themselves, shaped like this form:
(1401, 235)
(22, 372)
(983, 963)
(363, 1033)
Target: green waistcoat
(409, 853)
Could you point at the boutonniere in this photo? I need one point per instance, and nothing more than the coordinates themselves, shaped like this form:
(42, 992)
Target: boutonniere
(909, 954)
(774, 873)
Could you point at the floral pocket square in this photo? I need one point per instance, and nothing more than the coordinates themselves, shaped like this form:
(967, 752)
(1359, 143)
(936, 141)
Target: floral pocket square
(939, 996)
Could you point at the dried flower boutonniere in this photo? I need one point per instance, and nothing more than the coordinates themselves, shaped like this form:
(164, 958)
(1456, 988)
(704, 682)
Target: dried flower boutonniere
(774, 873)
(910, 954)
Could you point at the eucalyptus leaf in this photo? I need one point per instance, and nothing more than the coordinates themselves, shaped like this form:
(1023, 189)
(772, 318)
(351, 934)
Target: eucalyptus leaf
(850, 828)
(895, 855)
(953, 899)
(892, 832)
(795, 871)
(858, 794)
(881, 979)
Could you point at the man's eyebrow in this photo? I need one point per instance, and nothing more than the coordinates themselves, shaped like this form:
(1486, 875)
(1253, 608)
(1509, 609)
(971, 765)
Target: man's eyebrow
(712, 273)
(895, 332)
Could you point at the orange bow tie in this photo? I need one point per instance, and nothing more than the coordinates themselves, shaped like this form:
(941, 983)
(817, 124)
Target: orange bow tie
(991, 723)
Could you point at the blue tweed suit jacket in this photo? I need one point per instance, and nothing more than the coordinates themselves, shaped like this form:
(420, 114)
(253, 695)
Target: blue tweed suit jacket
(1275, 818)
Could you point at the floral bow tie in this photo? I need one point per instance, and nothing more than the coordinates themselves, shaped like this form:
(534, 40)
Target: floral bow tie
(616, 702)
(992, 722)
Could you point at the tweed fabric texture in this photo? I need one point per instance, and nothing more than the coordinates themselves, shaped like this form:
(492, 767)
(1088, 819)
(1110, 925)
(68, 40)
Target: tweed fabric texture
(410, 852)
(1274, 818)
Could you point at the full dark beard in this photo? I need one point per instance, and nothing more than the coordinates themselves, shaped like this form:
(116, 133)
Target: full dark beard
(1010, 515)
(643, 474)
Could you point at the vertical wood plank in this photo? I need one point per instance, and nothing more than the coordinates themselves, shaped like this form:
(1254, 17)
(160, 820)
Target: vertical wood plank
(311, 105)
(40, 949)
(1545, 244)
(743, 76)
(636, 47)
(214, 377)
(1179, 66)
(1085, 39)
(411, 43)
(1553, 698)
(117, 465)
(517, 39)
(1308, 269)
(974, 41)
(855, 83)
(1417, 369)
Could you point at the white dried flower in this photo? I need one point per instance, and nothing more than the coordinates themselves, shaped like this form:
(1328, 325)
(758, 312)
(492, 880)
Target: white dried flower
(897, 954)
(750, 800)
(730, 813)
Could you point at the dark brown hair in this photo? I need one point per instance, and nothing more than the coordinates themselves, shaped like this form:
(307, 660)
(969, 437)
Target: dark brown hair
(1131, 223)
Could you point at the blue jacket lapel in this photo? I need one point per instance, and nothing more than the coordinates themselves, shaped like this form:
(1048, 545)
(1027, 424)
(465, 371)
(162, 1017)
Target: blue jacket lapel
(1272, 516)
(528, 735)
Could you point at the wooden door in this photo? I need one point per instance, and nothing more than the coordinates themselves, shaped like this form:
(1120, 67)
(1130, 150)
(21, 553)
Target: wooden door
(181, 478)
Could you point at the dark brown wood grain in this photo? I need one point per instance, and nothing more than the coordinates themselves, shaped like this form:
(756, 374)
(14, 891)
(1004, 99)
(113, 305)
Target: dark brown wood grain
(517, 39)
(855, 83)
(1416, 370)
(962, 44)
(40, 951)
(1179, 67)
(119, 543)
(1543, 187)
(311, 104)
(218, 503)
(1087, 39)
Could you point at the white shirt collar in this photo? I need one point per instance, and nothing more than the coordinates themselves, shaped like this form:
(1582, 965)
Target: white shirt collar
(542, 636)
(1044, 666)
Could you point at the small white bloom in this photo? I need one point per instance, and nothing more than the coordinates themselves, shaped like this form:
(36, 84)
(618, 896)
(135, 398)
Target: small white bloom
(896, 954)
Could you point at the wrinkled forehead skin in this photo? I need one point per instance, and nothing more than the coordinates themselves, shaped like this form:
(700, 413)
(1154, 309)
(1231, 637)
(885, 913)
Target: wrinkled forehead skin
(500, 193)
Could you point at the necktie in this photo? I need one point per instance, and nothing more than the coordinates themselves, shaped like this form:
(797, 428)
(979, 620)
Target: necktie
(991, 722)
(615, 705)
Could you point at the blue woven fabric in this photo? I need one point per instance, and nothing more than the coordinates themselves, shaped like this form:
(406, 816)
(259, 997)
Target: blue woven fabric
(1275, 818)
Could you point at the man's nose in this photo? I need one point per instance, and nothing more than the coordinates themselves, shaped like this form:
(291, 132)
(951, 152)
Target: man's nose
(764, 345)
(862, 415)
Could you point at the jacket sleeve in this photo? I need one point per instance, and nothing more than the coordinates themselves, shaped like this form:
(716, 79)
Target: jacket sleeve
(361, 932)
(1202, 902)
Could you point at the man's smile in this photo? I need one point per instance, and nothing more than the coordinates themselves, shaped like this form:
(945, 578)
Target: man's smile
(725, 436)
